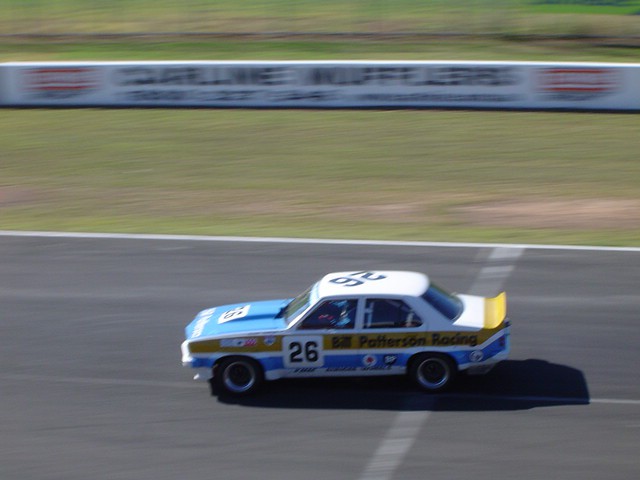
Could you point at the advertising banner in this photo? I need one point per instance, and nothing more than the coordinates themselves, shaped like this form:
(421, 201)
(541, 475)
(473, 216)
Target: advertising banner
(495, 85)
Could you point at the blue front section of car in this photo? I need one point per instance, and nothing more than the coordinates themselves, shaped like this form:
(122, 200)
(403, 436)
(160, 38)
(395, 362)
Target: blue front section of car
(240, 318)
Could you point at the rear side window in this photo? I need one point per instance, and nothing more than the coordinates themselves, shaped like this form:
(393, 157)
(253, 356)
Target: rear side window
(390, 313)
(447, 304)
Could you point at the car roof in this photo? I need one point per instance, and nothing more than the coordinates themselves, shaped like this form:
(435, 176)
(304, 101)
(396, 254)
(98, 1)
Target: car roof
(385, 282)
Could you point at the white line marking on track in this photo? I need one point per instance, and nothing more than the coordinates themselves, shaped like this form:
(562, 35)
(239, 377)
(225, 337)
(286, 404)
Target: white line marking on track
(406, 427)
(308, 241)
(491, 278)
(502, 253)
(395, 445)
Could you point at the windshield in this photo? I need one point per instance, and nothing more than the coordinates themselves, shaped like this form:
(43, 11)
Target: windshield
(298, 305)
(447, 304)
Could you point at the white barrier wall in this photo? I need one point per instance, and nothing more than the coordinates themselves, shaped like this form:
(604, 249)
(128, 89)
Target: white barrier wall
(325, 84)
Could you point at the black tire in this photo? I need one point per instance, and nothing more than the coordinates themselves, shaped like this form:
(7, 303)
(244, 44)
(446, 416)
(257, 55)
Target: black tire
(238, 376)
(433, 372)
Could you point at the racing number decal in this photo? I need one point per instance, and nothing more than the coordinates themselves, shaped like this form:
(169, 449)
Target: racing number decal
(303, 351)
(234, 314)
(298, 355)
(357, 278)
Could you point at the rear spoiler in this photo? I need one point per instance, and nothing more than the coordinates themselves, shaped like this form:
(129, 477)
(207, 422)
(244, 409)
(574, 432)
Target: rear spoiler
(495, 311)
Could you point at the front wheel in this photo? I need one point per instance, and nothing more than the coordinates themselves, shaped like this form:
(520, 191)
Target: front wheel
(238, 376)
(433, 372)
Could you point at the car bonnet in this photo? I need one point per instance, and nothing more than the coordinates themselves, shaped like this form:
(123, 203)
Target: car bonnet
(252, 317)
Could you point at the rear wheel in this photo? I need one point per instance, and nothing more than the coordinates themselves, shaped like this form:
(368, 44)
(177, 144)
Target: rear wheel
(433, 372)
(238, 376)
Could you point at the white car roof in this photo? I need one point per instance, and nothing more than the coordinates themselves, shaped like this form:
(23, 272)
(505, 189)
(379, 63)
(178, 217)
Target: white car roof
(377, 283)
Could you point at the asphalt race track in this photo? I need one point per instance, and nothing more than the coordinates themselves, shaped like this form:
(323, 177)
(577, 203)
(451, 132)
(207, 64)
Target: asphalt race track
(92, 386)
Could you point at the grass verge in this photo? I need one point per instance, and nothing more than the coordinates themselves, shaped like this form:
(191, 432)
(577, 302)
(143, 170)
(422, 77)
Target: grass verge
(413, 175)
(79, 49)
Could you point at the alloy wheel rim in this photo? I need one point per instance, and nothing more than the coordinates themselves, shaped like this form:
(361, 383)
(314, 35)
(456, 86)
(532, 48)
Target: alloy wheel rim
(433, 373)
(238, 377)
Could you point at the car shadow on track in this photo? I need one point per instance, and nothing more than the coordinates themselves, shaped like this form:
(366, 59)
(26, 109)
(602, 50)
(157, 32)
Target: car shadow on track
(511, 385)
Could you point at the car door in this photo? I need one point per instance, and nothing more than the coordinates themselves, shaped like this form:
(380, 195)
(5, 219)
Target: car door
(392, 330)
(323, 341)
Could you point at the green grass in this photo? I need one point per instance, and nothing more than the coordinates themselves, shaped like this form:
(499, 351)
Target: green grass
(413, 175)
(20, 50)
(610, 7)
(373, 174)
(378, 16)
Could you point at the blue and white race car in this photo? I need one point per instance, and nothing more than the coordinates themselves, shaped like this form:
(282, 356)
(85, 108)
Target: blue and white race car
(350, 324)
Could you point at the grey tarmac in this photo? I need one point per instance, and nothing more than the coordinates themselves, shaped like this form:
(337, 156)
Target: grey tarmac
(92, 385)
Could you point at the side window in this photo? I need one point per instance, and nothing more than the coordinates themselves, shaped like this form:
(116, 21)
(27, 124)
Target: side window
(389, 313)
(332, 314)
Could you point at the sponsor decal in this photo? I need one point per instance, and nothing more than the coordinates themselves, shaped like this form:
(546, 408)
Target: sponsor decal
(412, 76)
(234, 314)
(238, 342)
(383, 341)
(269, 340)
(315, 84)
(577, 83)
(444, 339)
(476, 356)
(316, 76)
(202, 76)
(61, 82)
(441, 340)
(369, 361)
(390, 359)
(341, 341)
(422, 97)
(202, 95)
(203, 319)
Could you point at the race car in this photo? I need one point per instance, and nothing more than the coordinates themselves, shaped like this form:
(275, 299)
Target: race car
(350, 324)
